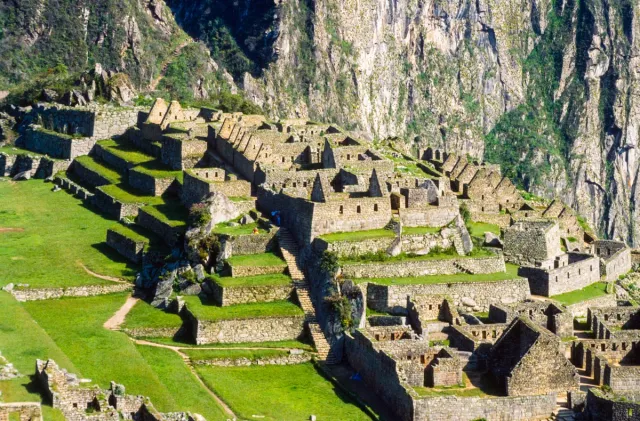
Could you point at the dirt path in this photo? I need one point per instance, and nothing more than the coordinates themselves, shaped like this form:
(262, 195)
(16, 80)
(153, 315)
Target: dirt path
(165, 65)
(117, 319)
(103, 277)
(187, 361)
(11, 229)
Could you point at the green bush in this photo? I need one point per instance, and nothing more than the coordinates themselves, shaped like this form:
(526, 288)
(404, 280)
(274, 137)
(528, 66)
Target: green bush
(199, 215)
(329, 263)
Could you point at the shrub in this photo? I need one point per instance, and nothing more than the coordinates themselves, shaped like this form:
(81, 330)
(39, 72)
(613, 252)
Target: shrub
(329, 263)
(465, 213)
(342, 306)
(199, 215)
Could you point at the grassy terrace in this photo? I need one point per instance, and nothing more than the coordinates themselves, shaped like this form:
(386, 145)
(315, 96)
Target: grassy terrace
(292, 344)
(420, 230)
(511, 273)
(273, 393)
(356, 236)
(247, 229)
(262, 259)
(126, 152)
(477, 229)
(87, 349)
(14, 150)
(158, 170)
(598, 289)
(251, 354)
(242, 311)
(126, 194)
(250, 281)
(173, 214)
(91, 164)
(144, 315)
(384, 258)
(46, 237)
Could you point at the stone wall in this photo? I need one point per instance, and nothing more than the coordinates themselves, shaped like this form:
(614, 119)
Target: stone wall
(227, 296)
(170, 235)
(428, 216)
(580, 309)
(196, 189)
(88, 176)
(582, 271)
(492, 408)
(416, 267)
(622, 379)
(39, 294)
(290, 359)
(151, 332)
(616, 265)
(25, 411)
(408, 244)
(393, 298)
(531, 241)
(176, 152)
(149, 184)
(250, 244)
(114, 207)
(245, 330)
(38, 166)
(241, 271)
(54, 144)
(350, 215)
(501, 220)
(601, 406)
(127, 247)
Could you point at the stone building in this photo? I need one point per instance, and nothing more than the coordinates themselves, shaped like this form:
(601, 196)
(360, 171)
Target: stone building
(527, 359)
(615, 258)
(533, 242)
(554, 317)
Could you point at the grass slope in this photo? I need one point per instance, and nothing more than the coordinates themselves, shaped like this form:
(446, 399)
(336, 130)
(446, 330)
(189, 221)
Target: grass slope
(242, 311)
(145, 315)
(280, 393)
(59, 233)
(262, 259)
(592, 291)
(75, 324)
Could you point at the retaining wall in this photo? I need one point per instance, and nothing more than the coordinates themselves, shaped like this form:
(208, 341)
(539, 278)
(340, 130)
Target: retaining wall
(39, 294)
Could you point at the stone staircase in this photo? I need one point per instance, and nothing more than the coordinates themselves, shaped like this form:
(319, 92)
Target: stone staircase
(289, 250)
(461, 268)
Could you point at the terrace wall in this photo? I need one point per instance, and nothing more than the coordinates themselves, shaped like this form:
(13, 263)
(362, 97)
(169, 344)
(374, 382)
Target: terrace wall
(169, 234)
(114, 207)
(126, 246)
(246, 330)
(26, 411)
(150, 185)
(56, 145)
(227, 296)
(415, 267)
(393, 298)
(39, 294)
(428, 216)
(242, 245)
(576, 275)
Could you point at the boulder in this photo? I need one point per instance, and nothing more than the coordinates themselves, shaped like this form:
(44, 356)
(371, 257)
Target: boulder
(492, 240)
(246, 219)
(49, 95)
(200, 273)
(120, 89)
(468, 302)
(163, 290)
(8, 287)
(395, 248)
(191, 289)
(221, 208)
(24, 175)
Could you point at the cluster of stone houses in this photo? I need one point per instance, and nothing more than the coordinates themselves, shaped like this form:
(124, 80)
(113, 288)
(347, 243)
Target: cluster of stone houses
(305, 181)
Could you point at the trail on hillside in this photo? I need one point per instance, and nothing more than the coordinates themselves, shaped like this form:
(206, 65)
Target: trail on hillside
(118, 318)
(103, 277)
(167, 62)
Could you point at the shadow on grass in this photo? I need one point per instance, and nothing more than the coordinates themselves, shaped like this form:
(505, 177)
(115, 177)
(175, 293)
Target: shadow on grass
(34, 387)
(131, 268)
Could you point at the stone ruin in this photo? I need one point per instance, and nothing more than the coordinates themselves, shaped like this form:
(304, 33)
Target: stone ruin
(80, 402)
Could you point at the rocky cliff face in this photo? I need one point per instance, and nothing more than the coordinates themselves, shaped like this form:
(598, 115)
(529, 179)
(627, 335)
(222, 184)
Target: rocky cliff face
(547, 88)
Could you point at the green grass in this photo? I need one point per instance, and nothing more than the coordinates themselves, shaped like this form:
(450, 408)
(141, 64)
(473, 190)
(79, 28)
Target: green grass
(592, 291)
(250, 281)
(257, 260)
(181, 383)
(420, 230)
(130, 231)
(172, 214)
(280, 393)
(14, 150)
(477, 229)
(242, 311)
(511, 273)
(97, 167)
(247, 229)
(59, 234)
(23, 389)
(291, 344)
(217, 354)
(75, 324)
(144, 315)
(357, 235)
(158, 170)
(126, 152)
(453, 391)
(126, 194)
